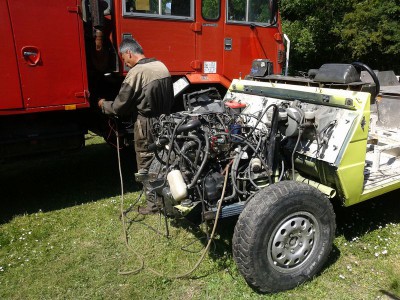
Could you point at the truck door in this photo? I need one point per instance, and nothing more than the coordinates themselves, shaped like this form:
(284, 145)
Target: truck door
(165, 29)
(48, 44)
(209, 41)
(10, 87)
(250, 35)
(232, 34)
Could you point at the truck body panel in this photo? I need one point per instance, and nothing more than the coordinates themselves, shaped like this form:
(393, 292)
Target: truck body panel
(9, 73)
(49, 49)
(63, 56)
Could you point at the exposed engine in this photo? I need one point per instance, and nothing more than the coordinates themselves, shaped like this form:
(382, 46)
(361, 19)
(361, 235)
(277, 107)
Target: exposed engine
(260, 133)
(255, 139)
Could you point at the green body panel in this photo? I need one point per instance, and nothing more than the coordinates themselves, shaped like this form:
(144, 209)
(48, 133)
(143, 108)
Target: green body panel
(347, 173)
(350, 172)
(383, 189)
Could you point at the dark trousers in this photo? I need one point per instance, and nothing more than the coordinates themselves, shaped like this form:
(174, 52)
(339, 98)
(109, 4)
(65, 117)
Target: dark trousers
(143, 138)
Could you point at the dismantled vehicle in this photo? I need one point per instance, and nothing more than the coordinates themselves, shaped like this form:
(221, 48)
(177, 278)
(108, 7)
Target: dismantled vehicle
(275, 151)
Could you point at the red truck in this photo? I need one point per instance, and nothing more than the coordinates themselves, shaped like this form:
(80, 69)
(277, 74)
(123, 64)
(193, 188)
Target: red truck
(59, 56)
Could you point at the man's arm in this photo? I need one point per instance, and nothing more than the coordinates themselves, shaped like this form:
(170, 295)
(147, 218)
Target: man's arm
(124, 103)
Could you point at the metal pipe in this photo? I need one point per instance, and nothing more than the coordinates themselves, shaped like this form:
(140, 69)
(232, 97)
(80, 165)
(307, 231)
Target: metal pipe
(330, 192)
(287, 53)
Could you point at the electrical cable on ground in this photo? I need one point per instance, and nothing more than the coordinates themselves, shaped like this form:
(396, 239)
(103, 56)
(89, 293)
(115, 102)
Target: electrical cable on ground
(205, 251)
(140, 258)
(125, 234)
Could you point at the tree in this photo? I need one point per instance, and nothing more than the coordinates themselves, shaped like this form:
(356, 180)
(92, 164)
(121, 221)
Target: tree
(371, 32)
(342, 31)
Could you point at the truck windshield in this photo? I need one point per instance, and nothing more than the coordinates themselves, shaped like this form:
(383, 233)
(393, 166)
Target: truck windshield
(248, 11)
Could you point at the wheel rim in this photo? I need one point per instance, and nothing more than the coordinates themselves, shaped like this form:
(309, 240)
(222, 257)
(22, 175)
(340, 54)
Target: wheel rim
(293, 241)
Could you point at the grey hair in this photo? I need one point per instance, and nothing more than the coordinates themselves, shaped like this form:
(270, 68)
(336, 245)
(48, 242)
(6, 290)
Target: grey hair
(131, 45)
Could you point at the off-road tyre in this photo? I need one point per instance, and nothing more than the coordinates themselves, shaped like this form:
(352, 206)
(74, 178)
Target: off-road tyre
(283, 236)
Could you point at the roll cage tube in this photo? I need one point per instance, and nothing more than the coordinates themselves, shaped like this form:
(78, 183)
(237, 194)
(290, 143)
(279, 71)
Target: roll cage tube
(359, 65)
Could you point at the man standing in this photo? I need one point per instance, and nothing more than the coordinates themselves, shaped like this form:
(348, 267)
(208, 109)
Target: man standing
(146, 93)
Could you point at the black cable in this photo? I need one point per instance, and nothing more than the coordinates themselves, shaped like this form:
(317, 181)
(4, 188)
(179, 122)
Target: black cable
(203, 163)
(272, 138)
(260, 117)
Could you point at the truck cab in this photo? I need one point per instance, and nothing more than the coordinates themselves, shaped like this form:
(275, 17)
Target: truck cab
(63, 55)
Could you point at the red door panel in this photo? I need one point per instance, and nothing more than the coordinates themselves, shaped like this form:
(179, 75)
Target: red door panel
(48, 45)
(165, 29)
(249, 43)
(172, 42)
(209, 42)
(252, 35)
(9, 80)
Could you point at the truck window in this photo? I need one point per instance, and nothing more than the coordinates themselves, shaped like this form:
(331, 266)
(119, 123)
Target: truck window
(210, 9)
(248, 11)
(175, 9)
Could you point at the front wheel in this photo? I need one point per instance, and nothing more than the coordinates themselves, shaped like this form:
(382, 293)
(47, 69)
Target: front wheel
(283, 236)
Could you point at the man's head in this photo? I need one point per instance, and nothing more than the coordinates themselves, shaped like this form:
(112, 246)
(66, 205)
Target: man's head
(131, 51)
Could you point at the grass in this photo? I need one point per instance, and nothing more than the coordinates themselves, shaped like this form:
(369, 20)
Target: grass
(61, 238)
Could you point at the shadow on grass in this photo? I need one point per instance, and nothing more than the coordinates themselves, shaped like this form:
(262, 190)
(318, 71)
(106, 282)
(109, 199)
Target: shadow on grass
(59, 181)
(361, 218)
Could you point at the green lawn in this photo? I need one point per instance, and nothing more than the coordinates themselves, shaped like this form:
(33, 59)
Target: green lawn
(61, 238)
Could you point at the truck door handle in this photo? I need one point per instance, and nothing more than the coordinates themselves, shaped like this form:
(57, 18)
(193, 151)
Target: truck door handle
(31, 55)
(27, 53)
(228, 44)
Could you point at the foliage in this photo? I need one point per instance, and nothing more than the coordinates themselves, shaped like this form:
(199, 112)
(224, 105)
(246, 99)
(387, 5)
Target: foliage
(210, 9)
(323, 31)
(310, 24)
(371, 32)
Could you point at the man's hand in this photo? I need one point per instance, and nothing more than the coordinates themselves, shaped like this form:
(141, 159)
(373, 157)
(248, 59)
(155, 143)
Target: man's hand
(100, 103)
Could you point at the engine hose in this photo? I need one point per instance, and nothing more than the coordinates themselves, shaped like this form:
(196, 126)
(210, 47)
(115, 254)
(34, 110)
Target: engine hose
(183, 154)
(260, 117)
(272, 139)
(259, 144)
(173, 139)
(243, 139)
(159, 158)
(234, 170)
(189, 145)
(282, 172)
(203, 163)
(294, 150)
(222, 122)
(231, 196)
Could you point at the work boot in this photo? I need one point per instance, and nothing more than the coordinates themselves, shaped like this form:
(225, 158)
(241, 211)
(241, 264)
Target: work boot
(149, 209)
